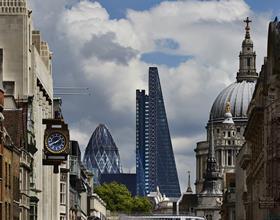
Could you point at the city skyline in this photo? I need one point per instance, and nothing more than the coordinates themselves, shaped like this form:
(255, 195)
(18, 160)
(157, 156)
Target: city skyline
(194, 63)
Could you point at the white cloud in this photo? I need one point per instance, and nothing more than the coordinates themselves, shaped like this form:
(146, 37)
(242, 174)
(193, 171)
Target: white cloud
(209, 31)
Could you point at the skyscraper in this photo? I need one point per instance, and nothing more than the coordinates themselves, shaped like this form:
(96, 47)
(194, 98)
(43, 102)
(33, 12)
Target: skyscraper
(142, 142)
(101, 154)
(155, 162)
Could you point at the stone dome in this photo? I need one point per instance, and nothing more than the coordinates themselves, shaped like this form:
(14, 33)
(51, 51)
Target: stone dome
(239, 94)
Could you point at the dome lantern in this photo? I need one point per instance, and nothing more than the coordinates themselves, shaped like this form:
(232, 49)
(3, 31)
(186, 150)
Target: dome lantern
(247, 57)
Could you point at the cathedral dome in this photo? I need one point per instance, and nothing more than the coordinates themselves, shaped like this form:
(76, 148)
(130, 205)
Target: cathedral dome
(239, 94)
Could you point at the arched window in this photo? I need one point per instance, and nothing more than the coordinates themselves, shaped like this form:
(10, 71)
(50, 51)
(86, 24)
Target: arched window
(248, 61)
(230, 158)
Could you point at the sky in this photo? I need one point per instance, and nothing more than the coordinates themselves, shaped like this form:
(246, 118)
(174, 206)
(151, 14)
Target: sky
(108, 46)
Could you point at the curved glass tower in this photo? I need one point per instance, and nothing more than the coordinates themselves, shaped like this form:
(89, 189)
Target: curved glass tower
(101, 154)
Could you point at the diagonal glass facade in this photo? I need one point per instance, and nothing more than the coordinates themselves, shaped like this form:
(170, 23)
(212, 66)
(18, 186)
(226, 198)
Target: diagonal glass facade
(155, 160)
(102, 155)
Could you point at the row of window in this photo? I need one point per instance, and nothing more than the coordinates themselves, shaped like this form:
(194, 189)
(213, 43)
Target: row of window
(238, 129)
(12, 3)
(228, 157)
(12, 10)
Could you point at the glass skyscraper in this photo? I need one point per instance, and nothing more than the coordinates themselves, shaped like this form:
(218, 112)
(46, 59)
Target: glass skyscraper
(101, 154)
(155, 163)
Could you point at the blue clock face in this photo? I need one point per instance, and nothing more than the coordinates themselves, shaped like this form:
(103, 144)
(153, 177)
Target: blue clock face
(56, 142)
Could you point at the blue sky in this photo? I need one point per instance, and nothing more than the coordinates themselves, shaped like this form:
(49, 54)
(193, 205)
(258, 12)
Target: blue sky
(117, 8)
(265, 5)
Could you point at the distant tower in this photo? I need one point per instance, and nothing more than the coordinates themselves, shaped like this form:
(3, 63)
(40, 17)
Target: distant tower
(212, 180)
(189, 189)
(155, 157)
(247, 58)
(101, 154)
(142, 142)
(210, 199)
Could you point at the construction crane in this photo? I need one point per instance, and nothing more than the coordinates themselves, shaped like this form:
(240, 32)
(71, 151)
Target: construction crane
(71, 91)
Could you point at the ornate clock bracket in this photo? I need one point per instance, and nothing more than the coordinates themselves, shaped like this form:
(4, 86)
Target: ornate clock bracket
(52, 157)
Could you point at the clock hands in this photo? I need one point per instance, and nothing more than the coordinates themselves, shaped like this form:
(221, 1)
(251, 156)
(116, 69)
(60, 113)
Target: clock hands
(53, 143)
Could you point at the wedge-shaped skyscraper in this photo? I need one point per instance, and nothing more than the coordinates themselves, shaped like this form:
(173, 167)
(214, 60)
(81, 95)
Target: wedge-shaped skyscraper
(155, 163)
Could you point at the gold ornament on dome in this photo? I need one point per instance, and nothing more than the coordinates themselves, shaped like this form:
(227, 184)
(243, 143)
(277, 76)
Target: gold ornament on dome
(228, 107)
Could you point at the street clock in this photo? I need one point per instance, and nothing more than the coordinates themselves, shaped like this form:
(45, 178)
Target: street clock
(56, 142)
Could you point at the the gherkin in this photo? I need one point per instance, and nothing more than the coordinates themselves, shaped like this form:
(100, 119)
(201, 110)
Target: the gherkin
(101, 154)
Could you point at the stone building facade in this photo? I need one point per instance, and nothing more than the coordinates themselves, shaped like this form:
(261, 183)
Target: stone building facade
(9, 164)
(260, 155)
(28, 78)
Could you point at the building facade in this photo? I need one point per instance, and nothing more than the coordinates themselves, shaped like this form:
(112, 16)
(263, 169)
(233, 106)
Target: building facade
(15, 124)
(260, 156)
(28, 78)
(157, 159)
(11, 191)
(9, 164)
(77, 199)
